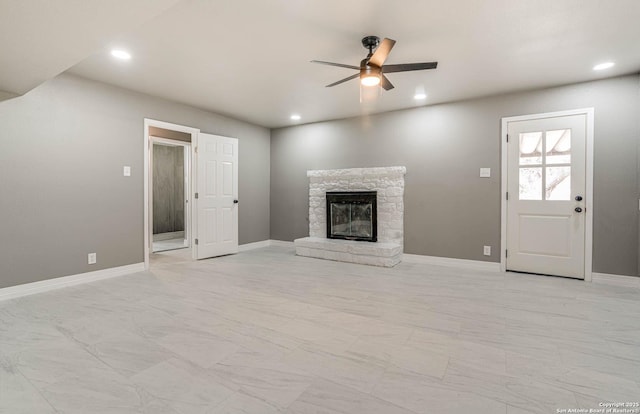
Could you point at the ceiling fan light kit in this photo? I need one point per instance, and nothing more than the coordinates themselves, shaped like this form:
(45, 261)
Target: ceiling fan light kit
(372, 69)
(370, 76)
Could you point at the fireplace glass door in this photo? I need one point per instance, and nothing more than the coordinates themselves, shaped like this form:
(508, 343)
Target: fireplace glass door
(352, 215)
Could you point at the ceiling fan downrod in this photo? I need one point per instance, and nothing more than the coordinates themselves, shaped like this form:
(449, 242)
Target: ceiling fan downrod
(370, 42)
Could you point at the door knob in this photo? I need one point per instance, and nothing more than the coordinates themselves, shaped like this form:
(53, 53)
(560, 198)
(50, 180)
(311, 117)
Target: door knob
(578, 198)
(578, 209)
(235, 201)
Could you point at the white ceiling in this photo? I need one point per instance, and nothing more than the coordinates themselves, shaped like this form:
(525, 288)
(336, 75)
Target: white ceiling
(41, 38)
(250, 59)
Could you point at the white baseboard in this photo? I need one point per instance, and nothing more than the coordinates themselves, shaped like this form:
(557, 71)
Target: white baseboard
(254, 245)
(264, 243)
(451, 262)
(618, 280)
(281, 243)
(65, 281)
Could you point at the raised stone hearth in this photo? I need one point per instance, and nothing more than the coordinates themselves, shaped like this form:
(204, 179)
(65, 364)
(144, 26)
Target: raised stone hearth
(389, 184)
(377, 254)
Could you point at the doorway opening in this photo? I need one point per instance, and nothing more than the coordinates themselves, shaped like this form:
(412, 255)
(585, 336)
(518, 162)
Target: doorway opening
(169, 185)
(170, 182)
(210, 193)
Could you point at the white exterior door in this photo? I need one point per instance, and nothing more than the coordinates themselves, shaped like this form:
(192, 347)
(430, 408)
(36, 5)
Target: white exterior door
(217, 196)
(546, 205)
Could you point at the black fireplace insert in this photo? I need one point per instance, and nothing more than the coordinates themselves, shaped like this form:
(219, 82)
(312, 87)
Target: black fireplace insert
(352, 215)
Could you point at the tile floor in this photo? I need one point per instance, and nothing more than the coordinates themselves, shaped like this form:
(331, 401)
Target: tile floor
(171, 244)
(265, 331)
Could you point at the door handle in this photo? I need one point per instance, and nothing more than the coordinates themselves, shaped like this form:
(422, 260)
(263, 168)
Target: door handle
(578, 198)
(578, 209)
(235, 201)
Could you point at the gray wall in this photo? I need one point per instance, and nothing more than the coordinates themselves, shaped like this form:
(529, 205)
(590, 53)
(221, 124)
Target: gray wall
(62, 149)
(449, 210)
(168, 189)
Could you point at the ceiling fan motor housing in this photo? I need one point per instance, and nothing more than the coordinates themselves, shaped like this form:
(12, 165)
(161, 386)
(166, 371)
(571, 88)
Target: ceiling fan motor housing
(370, 42)
(366, 70)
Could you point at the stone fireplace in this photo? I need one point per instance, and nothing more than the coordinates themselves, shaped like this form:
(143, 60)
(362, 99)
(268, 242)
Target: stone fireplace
(355, 215)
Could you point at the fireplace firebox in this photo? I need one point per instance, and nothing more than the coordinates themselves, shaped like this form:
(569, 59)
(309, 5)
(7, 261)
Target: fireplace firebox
(352, 215)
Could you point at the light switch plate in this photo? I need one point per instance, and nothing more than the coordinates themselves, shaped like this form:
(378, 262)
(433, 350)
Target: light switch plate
(485, 172)
(126, 171)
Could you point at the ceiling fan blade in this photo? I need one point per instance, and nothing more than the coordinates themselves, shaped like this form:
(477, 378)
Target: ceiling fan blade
(340, 65)
(382, 52)
(386, 84)
(344, 80)
(406, 67)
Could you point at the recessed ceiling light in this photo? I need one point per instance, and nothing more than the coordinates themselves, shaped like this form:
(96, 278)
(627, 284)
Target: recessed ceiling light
(603, 66)
(295, 117)
(120, 54)
(420, 96)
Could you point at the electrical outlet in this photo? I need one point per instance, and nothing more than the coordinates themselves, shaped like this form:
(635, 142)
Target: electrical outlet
(91, 258)
(126, 171)
(487, 250)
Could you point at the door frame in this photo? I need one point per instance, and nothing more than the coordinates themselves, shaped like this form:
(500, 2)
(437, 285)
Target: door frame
(146, 191)
(187, 184)
(588, 236)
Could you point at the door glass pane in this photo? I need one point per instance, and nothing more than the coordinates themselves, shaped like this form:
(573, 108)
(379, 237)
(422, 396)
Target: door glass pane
(558, 183)
(558, 146)
(530, 183)
(531, 148)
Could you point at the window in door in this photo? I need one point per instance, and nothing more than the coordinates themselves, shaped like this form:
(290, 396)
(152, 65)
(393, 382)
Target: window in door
(545, 165)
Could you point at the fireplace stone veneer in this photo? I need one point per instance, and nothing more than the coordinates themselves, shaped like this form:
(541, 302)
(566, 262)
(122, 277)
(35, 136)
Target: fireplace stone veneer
(389, 184)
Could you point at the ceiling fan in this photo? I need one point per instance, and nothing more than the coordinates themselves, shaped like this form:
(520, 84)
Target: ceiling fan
(372, 69)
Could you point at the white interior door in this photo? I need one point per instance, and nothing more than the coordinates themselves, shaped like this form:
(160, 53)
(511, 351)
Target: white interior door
(546, 184)
(217, 196)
